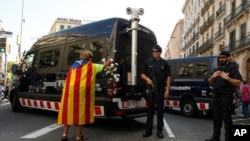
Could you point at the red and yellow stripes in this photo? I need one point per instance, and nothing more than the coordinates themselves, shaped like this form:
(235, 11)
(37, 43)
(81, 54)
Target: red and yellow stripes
(77, 103)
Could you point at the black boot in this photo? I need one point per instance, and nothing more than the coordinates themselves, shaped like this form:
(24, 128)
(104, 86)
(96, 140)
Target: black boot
(159, 134)
(213, 139)
(147, 133)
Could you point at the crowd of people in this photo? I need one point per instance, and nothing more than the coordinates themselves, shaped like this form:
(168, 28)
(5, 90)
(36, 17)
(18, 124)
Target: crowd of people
(4, 84)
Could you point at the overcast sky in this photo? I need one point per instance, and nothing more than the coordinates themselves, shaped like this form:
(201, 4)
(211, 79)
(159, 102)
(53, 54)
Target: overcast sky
(159, 15)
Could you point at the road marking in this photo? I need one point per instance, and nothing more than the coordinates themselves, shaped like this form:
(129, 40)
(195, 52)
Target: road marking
(42, 131)
(169, 131)
(5, 103)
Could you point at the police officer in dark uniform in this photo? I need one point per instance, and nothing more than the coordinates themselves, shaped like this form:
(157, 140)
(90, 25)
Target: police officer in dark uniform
(156, 74)
(224, 79)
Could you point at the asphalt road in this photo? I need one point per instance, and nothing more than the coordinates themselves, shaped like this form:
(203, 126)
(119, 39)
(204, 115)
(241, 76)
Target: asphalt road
(38, 125)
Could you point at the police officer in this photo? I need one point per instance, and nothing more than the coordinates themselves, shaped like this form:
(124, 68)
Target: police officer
(156, 73)
(224, 79)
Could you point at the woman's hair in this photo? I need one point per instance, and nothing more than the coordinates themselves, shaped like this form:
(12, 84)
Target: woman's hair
(86, 55)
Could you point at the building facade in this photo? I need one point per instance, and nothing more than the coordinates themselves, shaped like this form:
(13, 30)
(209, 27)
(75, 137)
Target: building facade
(64, 23)
(176, 44)
(215, 25)
(2, 54)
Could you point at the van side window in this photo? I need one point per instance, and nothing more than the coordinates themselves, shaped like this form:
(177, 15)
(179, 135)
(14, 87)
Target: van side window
(49, 58)
(28, 61)
(74, 52)
(186, 69)
(202, 69)
(97, 48)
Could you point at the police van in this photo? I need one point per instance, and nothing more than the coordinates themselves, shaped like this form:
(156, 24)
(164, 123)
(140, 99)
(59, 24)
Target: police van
(189, 89)
(38, 80)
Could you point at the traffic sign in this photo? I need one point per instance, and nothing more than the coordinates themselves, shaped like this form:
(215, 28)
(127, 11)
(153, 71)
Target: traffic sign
(5, 33)
(2, 44)
(2, 49)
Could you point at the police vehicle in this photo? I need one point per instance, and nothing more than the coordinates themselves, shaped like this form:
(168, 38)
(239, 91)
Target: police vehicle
(189, 89)
(38, 80)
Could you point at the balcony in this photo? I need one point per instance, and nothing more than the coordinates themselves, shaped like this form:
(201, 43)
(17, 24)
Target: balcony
(194, 25)
(207, 24)
(220, 33)
(221, 10)
(238, 45)
(192, 54)
(207, 45)
(237, 13)
(206, 7)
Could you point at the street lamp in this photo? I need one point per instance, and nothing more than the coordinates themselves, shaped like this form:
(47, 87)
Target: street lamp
(21, 32)
(134, 12)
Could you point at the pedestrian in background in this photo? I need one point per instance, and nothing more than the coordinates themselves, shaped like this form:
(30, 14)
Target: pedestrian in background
(2, 85)
(156, 74)
(77, 102)
(223, 79)
(245, 97)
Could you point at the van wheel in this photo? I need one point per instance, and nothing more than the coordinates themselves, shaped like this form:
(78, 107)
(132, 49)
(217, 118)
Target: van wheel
(15, 104)
(188, 108)
(209, 113)
(167, 109)
(2, 96)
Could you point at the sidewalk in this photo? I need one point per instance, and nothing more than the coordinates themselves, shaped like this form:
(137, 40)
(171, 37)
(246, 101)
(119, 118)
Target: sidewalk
(4, 101)
(239, 110)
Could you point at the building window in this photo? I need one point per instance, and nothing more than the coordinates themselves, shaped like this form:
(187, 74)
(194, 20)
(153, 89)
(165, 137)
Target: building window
(243, 29)
(232, 38)
(49, 58)
(61, 27)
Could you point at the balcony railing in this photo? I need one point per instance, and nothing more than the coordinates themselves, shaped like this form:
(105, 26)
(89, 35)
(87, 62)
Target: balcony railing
(192, 54)
(239, 44)
(206, 7)
(221, 10)
(207, 24)
(219, 33)
(209, 43)
(237, 12)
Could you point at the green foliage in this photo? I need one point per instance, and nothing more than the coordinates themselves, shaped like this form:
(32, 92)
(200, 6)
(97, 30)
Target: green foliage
(9, 65)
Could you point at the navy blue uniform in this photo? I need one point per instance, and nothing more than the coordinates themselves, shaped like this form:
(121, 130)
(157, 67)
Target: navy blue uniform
(223, 100)
(157, 71)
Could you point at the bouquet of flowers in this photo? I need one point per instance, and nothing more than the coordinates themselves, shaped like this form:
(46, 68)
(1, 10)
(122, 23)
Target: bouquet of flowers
(112, 71)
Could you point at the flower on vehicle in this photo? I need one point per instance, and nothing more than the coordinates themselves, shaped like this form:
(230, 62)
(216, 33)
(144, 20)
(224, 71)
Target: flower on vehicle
(112, 71)
(24, 69)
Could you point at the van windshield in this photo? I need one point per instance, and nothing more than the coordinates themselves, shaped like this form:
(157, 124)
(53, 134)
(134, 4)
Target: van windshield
(97, 47)
(27, 62)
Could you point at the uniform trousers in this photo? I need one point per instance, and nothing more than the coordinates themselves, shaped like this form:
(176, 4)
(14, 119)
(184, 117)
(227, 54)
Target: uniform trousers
(222, 113)
(155, 101)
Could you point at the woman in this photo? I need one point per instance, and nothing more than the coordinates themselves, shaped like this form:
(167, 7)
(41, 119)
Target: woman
(245, 90)
(77, 103)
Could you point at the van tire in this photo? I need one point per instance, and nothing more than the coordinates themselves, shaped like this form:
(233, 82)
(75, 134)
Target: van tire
(15, 104)
(167, 109)
(209, 113)
(188, 108)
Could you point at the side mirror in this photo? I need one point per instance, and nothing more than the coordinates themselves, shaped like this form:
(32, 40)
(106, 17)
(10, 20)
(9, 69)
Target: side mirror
(14, 69)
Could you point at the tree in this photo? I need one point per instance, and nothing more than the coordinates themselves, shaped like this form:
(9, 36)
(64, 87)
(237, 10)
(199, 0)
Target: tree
(9, 65)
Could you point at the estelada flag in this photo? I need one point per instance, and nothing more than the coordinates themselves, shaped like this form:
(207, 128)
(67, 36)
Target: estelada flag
(77, 102)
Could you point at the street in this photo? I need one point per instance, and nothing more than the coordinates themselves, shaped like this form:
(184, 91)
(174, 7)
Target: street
(41, 125)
